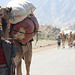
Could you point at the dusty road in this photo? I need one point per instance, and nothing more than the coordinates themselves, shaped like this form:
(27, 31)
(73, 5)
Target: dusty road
(53, 62)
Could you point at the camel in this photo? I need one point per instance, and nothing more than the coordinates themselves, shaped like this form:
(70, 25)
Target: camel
(24, 50)
(63, 38)
(73, 39)
(70, 39)
(4, 15)
(70, 36)
(74, 36)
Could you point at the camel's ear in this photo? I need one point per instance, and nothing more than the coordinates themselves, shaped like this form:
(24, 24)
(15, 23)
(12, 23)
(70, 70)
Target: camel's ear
(0, 6)
(9, 9)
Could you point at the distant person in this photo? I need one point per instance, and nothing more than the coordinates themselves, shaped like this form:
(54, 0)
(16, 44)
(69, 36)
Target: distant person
(58, 40)
(7, 52)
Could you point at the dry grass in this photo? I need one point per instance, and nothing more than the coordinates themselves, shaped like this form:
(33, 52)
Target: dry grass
(43, 45)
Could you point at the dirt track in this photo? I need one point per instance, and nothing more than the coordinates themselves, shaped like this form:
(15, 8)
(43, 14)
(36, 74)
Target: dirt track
(43, 45)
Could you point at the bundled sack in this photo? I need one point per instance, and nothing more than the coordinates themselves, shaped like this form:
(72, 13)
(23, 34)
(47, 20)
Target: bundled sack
(24, 30)
(20, 10)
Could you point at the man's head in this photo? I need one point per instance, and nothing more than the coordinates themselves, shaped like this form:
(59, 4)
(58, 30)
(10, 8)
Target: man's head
(58, 35)
(1, 33)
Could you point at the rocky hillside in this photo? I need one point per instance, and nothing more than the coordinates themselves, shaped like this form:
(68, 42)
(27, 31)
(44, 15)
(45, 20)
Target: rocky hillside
(49, 30)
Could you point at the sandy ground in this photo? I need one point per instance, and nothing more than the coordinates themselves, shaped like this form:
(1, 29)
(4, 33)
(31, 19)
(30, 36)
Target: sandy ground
(43, 45)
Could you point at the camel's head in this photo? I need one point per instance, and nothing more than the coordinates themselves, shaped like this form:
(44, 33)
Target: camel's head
(4, 16)
(5, 12)
(70, 32)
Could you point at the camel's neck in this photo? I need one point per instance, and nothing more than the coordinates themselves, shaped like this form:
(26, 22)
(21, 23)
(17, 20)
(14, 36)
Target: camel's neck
(5, 24)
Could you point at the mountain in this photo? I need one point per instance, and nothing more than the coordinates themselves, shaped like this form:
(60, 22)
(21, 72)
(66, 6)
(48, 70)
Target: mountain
(49, 30)
(69, 27)
(58, 13)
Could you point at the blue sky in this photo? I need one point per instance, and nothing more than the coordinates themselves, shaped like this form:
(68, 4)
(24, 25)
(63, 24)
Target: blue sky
(55, 12)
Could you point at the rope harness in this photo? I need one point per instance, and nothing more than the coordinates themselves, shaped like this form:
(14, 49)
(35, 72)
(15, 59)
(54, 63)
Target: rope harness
(27, 43)
(35, 28)
(28, 48)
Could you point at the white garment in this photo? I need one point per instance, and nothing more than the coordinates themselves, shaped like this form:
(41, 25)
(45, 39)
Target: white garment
(20, 10)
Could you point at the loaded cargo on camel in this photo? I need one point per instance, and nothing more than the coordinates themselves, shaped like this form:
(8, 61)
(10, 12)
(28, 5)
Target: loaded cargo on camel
(22, 31)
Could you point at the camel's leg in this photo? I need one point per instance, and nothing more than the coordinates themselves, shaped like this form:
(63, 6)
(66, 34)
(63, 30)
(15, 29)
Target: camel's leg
(69, 43)
(63, 43)
(17, 60)
(27, 59)
(13, 73)
(19, 72)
